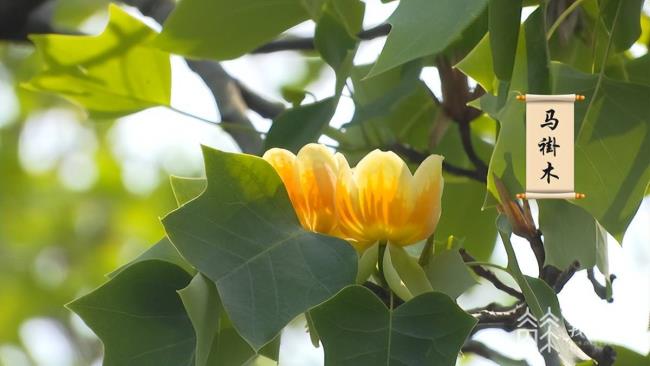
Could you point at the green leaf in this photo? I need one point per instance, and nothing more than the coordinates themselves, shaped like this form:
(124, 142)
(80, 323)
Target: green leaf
(356, 328)
(478, 65)
(222, 29)
(537, 55)
(367, 263)
(112, 74)
(403, 273)
(296, 127)
(293, 95)
(393, 107)
(186, 189)
(570, 233)
(72, 13)
(622, 18)
(625, 357)
(504, 17)
(464, 218)
(203, 307)
(612, 161)
(349, 12)
(423, 28)
(139, 316)
(447, 271)
(333, 39)
(218, 343)
(540, 298)
(163, 251)
(243, 234)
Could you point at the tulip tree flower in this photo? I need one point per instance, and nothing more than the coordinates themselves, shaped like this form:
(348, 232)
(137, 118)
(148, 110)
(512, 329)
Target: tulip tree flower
(310, 180)
(380, 200)
(377, 201)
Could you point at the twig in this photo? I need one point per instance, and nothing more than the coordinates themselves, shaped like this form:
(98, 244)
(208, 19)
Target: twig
(259, 104)
(230, 102)
(383, 294)
(466, 139)
(599, 289)
(418, 157)
(505, 319)
(565, 276)
(490, 276)
(604, 356)
(307, 43)
(488, 353)
(226, 91)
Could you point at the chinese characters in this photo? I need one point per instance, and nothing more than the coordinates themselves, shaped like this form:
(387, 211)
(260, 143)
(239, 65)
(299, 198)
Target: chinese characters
(549, 145)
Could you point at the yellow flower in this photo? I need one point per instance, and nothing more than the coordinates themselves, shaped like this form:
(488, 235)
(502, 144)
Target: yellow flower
(310, 180)
(381, 200)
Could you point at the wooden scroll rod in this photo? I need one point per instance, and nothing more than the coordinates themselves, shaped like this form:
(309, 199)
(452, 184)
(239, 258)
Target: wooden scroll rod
(522, 97)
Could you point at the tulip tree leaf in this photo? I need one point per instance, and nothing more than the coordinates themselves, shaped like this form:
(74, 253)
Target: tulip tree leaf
(367, 263)
(625, 356)
(112, 74)
(186, 189)
(243, 234)
(540, 298)
(504, 17)
(447, 271)
(356, 328)
(296, 127)
(414, 24)
(464, 218)
(479, 66)
(612, 159)
(223, 29)
(403, 273)
(333, 39)
(164, 251)
(139, 316)
(622, 19)
(218, 343)
(570, 233)
(201, 301)
(302, 124)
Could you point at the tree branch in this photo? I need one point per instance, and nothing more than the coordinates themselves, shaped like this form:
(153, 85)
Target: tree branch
(604, 356)
(224, 88)
(263, 107)
(599, 289)
(490, 276)
(488, 353)
(307, 43)
(417, 157)
(565, 276)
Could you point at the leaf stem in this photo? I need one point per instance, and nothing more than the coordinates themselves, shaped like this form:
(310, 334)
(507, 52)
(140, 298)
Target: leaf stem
(601, 72)
(427, 252)
(561, 18)
(229, 126)
(486, 264)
